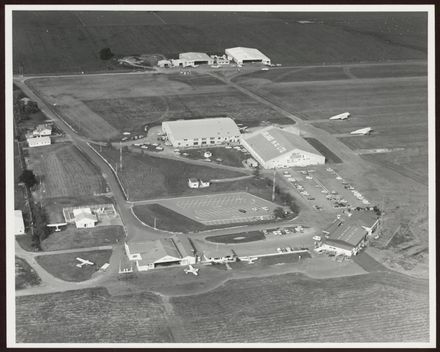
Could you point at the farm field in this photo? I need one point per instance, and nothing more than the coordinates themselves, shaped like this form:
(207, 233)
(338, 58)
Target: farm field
(64, 171)
(25, 276)
(102, 107)
(393, 309)
(69, 316)
(83, 238)
(63, 266)
(60, 41)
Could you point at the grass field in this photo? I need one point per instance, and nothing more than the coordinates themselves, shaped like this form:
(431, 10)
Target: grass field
(230, 157)
(55, 41)
(83, 238)
(377, 307)
(25, 276)
(292, 308)
(238, 237)
(63, 266)
(70, 316)
(146, 177)
(65, 171)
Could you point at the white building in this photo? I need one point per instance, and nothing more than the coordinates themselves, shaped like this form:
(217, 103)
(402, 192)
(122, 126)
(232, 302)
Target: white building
(42, 130)
(193, 183)
(193, 59)
(349, 235)
(160, 253)
(84, 218)
(201, 132)
(164, 63)
(38, 141)
(274, 147)
(19, 223)
(241, 55)
(220, 60)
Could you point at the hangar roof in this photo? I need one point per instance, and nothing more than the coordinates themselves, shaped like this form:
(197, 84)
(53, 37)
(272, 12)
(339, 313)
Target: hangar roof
(184, 246)
(348, 233)
(210, 127)
(272, 142)
(192, 56)
(153, 251)
(243, 53)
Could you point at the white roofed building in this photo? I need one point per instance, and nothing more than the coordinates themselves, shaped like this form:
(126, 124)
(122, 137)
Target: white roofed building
(274, 147)
(38, 141)
(242, 55)
(84, 218)
(19, 223)
(201, 132)
(192, 59)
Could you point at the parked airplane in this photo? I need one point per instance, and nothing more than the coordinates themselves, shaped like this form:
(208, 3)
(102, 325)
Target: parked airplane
(342, 116)
(83, 262)
(363, 131)
(250, 260)
(368, 229)
(192, 270)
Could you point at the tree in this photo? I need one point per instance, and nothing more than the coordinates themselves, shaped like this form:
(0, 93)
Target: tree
(31, 107)
(39, 223)
(105, 54)
(28, 178)
(279, 213)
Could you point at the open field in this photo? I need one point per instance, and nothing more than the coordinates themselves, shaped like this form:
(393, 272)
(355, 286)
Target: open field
(223, 209)
(147, 177)
(92, 315)
(376, 307)
(393, 309)
(83, 238)
(237, 237)
(64, 266)
(65, 171)
(25, 276)
(60, 41)
(102, 107)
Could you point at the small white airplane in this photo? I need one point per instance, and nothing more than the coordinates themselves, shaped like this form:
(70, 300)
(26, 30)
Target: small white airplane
(83, 262)
(368, 229)
(363, 131)
(192, 270)
(342, 116)
(249, 260)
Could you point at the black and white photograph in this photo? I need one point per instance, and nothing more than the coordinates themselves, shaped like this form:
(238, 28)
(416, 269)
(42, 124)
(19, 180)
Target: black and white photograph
(201, 176)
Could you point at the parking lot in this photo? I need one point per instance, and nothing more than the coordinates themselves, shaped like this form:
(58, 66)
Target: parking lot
(220, 209)
(325, 188)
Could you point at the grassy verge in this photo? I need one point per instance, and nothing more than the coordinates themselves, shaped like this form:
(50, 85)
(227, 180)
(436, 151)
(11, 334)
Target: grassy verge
(63, 266)
(25, 276)
(83, 238)
(229, 157)
(238, 237)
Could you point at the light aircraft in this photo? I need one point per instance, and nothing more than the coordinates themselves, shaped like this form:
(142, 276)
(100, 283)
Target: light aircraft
(342, 116)
(83, 262)
(192, 270)
(368, 229)
(249, 260)
(363, 131)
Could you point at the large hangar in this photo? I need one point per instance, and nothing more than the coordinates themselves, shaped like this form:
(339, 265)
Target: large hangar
(192, 59)
(201, 132)
(274, 147)
(241, 55)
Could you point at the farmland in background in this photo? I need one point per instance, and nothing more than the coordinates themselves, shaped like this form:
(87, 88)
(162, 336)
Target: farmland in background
(291, 308)
(91, 316)
(60, 41)
(376, 307)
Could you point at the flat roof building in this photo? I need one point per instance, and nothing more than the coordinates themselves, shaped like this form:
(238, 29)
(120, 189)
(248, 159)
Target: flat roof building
(274, 147)
(242, 55)
(201, 132)
(19, 223)
(193, 58)
(38, 141)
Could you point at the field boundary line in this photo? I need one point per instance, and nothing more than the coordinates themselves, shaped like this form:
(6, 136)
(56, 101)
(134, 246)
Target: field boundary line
(151, 227)
(113, 170)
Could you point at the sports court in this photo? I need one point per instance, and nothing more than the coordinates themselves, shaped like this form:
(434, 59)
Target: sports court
(221, 209)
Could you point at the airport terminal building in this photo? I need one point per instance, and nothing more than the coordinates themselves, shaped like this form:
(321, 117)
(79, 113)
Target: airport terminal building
(241, 55)
(201, 132)
(274, 147)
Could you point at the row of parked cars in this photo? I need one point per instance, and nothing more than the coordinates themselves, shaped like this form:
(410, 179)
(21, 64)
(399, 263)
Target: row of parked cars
(291, 249)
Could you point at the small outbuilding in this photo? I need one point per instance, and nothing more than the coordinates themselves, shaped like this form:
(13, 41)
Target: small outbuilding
(19, 223)
(38, 141)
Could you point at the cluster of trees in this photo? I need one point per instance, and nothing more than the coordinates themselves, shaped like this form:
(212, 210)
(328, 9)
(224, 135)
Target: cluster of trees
(286, 198)
(105, 54)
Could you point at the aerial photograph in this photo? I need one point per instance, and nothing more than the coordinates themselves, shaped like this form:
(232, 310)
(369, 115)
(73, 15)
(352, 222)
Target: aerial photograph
(220, 176)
